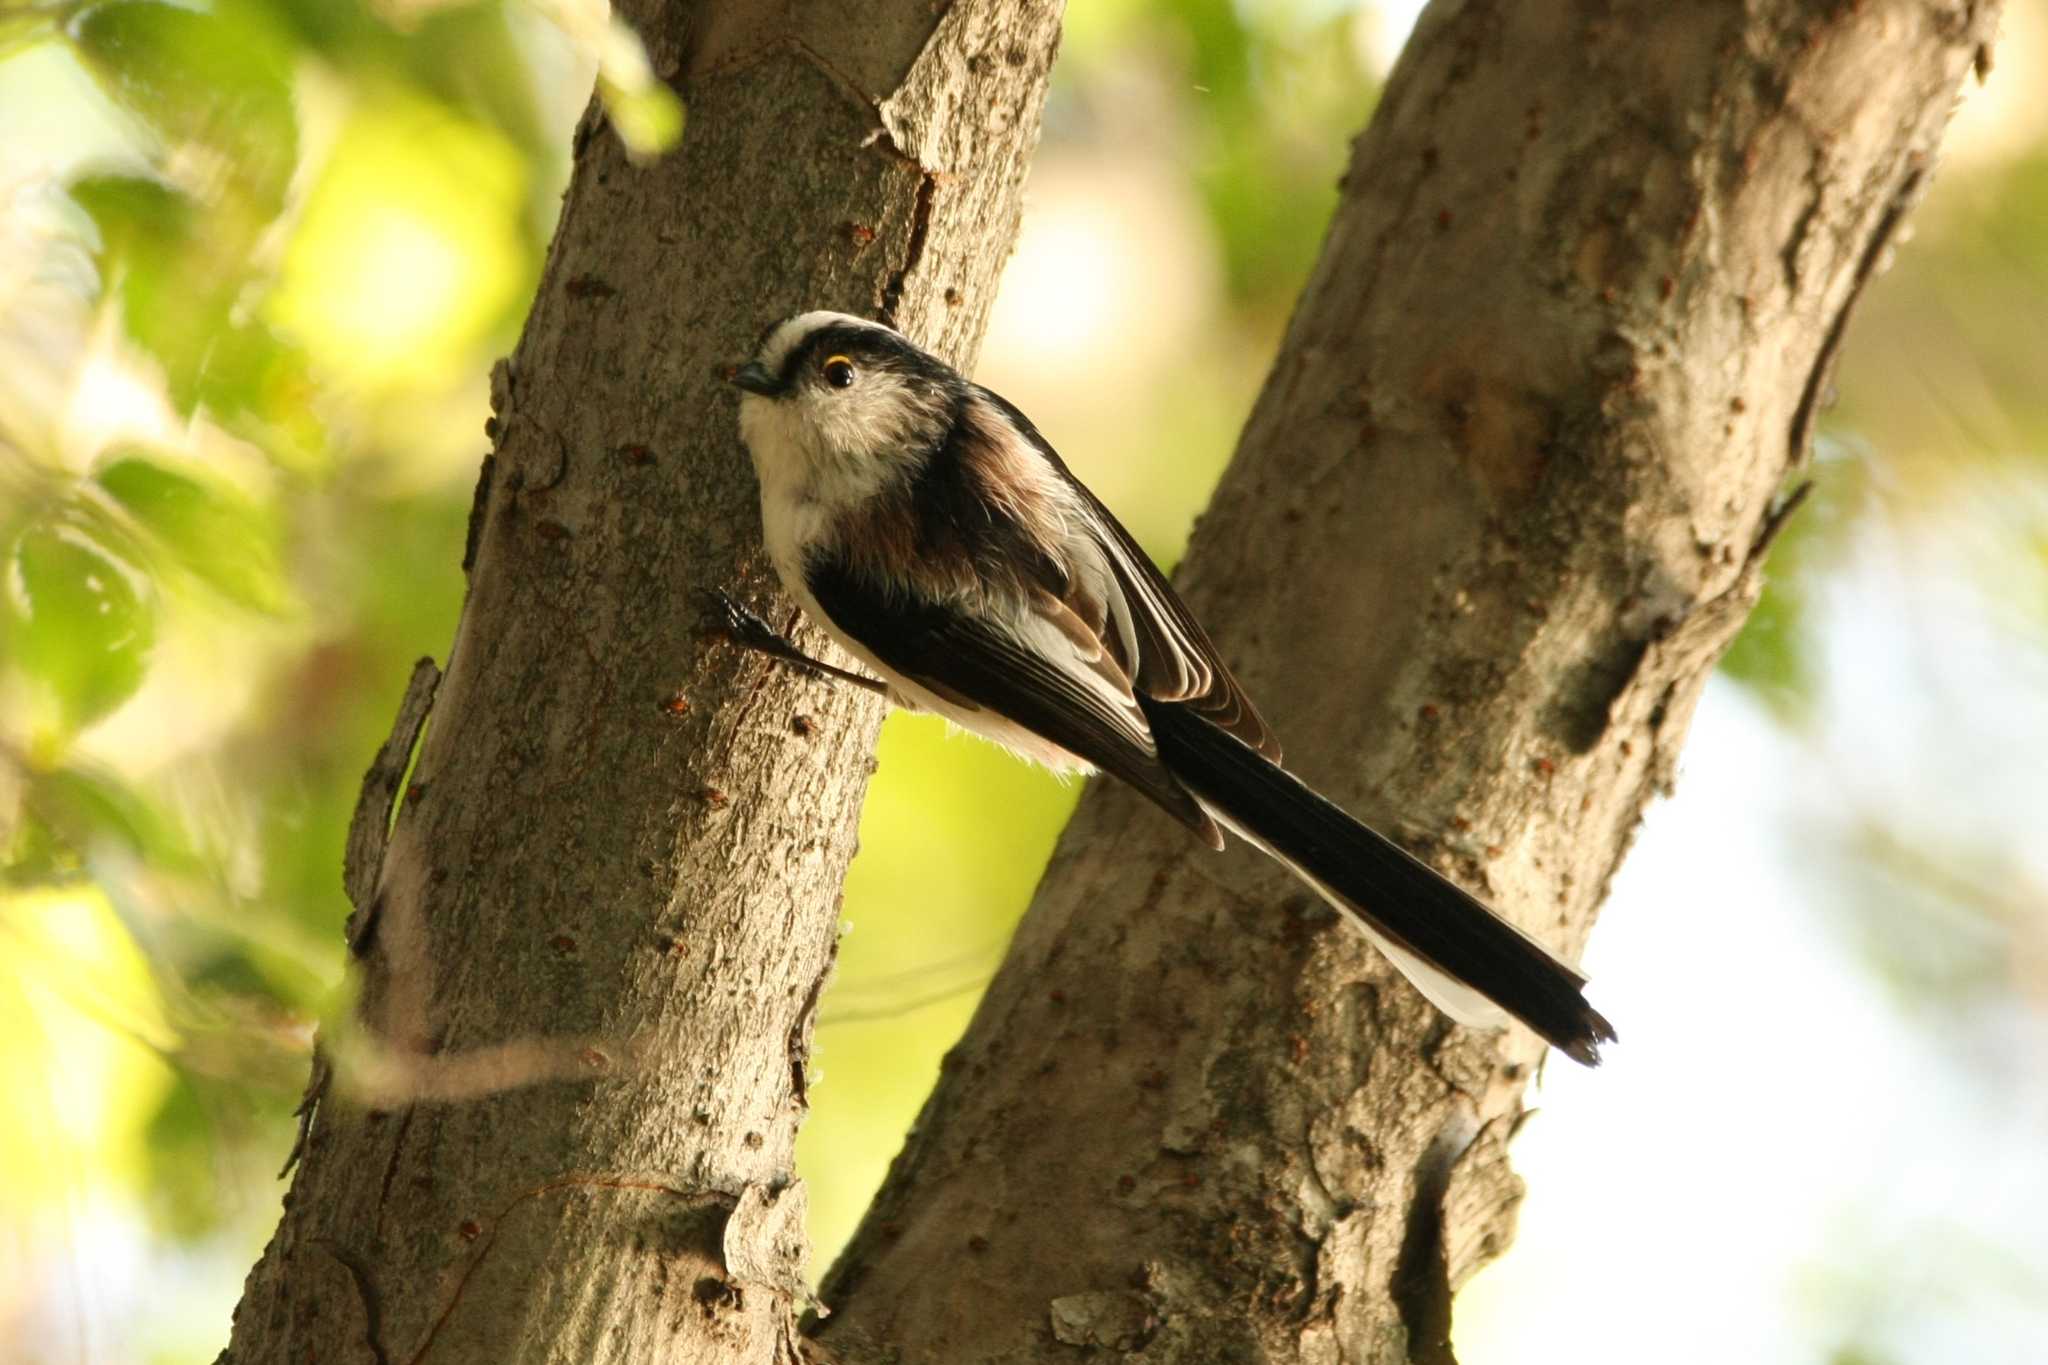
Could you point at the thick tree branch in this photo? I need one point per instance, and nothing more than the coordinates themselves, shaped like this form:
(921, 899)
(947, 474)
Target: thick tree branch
(603, 916)
(1498, 511)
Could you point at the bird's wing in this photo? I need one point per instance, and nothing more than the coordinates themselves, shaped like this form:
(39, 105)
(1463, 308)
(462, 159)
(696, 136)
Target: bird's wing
(1038, 666)
(1174, 657)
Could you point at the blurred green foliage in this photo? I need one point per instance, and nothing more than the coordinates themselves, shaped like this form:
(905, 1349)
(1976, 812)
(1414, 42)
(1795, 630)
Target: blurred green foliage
(258, 257)
(1264, 100)
(1773, 654)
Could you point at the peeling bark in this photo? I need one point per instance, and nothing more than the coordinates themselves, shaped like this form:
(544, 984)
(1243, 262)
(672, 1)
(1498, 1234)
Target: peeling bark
(1502, 504)
(590, 954)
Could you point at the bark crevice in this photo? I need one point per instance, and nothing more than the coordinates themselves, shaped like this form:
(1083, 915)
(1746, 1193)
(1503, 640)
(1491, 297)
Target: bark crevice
(1421, 1283)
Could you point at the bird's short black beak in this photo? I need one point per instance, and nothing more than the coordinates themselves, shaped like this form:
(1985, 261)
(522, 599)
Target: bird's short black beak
(754, 379)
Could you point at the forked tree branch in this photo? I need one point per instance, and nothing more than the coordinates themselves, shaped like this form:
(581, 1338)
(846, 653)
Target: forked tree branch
(1500, 508)
(590, 953)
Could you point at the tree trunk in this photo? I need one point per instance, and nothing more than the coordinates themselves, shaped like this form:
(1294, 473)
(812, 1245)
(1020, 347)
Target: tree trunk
(591, 952)
(1503, 502)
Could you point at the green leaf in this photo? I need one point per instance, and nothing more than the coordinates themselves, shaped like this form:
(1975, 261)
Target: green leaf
(647, 118)
(135, 212)
(220, 78)
(21, 29)
(216, 85)
(182, 1148)
(90, 805)
(67, 812)
(174, 297)
(209, 530)
(259, 385)
(469, 58)
(34, 855)
(1773, 656)
(81, 622)
(644, 111)
(178, 296)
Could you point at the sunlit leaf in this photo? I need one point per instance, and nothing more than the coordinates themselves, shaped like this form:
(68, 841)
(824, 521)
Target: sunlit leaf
(216, 86)
(644, 112)
(337, 31)
(175, 293)
(217, 78)
(82, 1018)
(259, 385)
(24, 28)
(649, 119)
(208, 529)
(82, 622)
(178, 295)
(137, 216)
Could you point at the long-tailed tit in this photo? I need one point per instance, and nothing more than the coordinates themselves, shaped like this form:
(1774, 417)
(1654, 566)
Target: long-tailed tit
(924, 523)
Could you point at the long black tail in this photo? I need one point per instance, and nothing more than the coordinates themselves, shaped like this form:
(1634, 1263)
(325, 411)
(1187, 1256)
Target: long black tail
(1432, 922)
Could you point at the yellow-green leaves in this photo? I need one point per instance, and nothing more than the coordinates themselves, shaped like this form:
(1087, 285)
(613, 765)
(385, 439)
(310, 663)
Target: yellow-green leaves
(203, 527)
(215, 84)
(408, 255)
(644, 111)
(79, 625)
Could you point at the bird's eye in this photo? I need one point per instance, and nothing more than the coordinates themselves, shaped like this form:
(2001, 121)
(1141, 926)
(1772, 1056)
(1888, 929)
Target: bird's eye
(839, 372)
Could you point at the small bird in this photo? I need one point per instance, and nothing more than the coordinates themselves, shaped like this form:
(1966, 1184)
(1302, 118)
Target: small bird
(924, 523)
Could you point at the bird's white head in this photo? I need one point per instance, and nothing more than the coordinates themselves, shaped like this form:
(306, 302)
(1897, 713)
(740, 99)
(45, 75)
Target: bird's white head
(838, 405)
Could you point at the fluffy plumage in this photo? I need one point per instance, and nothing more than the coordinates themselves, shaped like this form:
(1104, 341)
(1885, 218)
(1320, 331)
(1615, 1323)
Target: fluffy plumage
(937, 537)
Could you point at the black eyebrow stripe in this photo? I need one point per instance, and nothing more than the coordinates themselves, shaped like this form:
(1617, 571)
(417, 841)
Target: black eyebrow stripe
(837, 337)
(860, 343)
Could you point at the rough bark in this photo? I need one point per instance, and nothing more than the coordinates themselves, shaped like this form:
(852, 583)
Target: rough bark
(1501, 505)
(591, 951)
